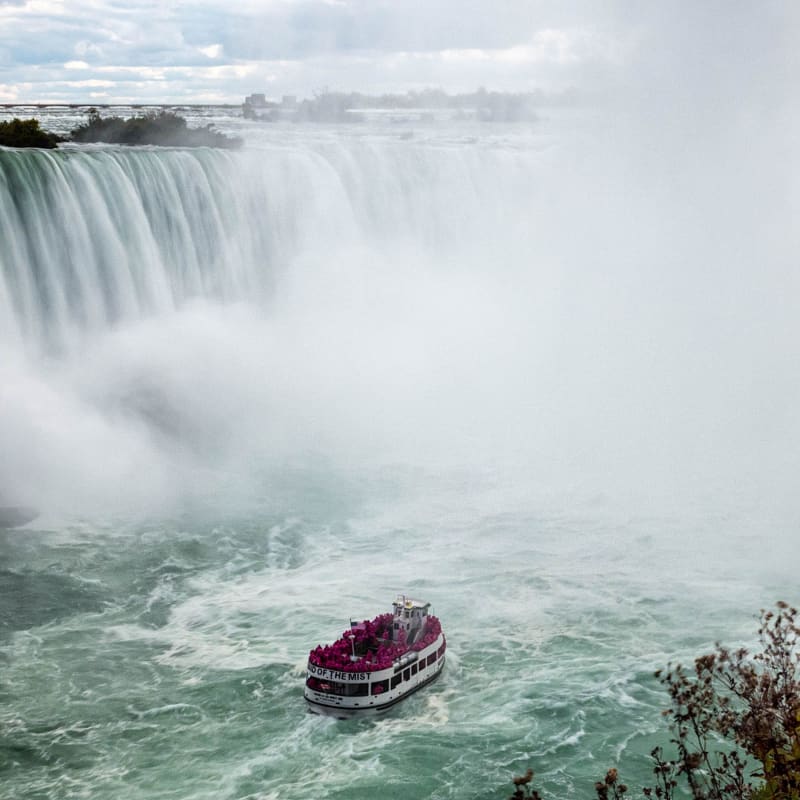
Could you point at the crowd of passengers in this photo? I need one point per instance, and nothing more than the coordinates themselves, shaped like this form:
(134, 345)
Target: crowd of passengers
(373, 639)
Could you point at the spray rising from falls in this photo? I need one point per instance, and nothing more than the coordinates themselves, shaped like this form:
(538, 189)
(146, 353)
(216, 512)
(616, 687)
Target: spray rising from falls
(169, 316)
(164, 307)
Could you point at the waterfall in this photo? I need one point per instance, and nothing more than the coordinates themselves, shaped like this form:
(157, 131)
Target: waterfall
(168, 311)
(93, 237)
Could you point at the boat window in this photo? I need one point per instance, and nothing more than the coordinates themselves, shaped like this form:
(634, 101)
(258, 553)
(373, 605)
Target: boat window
(396, 681)
(431, 659)
(441, 652)
(414, 669)
(379, 687)
(407, 675)
(337, 688)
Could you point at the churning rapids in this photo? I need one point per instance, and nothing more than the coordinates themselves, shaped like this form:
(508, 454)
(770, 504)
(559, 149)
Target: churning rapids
(537, 377)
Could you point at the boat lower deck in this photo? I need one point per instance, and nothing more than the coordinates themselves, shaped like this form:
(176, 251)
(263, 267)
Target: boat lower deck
(349, 707)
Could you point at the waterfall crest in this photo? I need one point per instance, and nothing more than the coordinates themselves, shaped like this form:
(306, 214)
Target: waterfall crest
(93, 237)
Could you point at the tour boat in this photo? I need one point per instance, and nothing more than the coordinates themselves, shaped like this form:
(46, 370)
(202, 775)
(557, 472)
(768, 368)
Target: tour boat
(376, 663)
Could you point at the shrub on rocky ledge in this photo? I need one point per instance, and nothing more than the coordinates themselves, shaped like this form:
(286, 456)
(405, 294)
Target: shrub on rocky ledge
(26, 133)
(164, 128)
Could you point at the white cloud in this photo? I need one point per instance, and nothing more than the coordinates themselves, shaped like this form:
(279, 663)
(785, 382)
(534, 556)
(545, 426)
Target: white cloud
(84, 48)
(8, 94)
(76, 65)
(548, 46)
(45, 6)
(92, 83)
(141, 73)
(472, 54)
(32, 7)
(569, 47)
(212, 51)
(198, 74)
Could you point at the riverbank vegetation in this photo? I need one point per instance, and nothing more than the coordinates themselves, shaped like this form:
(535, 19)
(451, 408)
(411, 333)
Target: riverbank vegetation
(164, 128)
(26, 133)
(734, 720)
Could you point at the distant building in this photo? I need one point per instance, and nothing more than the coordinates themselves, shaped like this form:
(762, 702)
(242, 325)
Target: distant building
(256, 106)
(256, 100)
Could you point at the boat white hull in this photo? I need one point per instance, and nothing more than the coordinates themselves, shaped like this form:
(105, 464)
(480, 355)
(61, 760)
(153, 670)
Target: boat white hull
(350, 694)
(347, 708)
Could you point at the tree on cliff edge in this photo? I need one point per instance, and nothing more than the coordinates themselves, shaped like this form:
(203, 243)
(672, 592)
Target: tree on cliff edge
(26, 133)
(734, 717)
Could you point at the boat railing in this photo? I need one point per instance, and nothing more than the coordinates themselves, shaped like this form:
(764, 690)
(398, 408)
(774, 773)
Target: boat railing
(405, 660)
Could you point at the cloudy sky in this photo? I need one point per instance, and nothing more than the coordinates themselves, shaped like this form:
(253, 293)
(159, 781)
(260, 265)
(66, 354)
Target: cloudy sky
(220, 50)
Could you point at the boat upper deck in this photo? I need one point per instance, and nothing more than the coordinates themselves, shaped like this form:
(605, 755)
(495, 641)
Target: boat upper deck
(377, 644)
